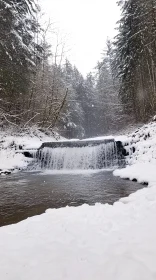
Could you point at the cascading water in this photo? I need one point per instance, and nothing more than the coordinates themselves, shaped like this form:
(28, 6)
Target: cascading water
(78, 158)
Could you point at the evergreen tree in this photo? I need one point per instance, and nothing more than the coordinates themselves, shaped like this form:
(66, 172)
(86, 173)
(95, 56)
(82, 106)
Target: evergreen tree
(18, 52)
(135, 57)
(73, 112)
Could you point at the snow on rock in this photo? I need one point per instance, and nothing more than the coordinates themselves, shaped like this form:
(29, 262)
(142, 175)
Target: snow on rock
(142, 172)
(121, 138)
(141, 160)
(124, 139)
(99, 138)
(154, 118)
(12, 161)
(11, 143)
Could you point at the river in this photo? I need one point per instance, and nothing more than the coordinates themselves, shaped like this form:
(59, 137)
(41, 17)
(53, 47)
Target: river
(26, 194)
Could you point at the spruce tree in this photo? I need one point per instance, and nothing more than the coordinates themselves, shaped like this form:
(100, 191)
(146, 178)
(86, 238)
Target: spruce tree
(18, 52)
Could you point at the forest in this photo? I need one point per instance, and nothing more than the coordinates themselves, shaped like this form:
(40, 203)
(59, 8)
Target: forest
(41, 87)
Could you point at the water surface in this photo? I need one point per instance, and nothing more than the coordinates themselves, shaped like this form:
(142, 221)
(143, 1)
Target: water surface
(27, 194)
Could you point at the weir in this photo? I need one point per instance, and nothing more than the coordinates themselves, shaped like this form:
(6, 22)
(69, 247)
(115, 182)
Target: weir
(79, 155)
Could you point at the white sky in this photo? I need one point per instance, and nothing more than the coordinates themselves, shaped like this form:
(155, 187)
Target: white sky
(87, 24)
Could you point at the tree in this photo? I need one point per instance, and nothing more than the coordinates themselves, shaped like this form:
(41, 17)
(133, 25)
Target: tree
(135, 57)
(89, 106)
(18, 53)
(73, 112)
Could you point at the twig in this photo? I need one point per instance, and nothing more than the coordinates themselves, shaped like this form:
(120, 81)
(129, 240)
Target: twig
(8, 120)
(59, 110)
(31, 119)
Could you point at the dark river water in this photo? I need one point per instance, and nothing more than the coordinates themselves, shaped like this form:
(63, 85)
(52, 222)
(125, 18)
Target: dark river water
(27, 194)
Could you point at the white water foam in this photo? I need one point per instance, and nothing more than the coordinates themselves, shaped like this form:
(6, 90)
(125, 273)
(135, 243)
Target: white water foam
(87, 172)
(79, 158)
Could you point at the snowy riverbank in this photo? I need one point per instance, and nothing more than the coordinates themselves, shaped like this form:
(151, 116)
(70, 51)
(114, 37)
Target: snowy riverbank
(142, 162)
(91, 242)
(13, 143)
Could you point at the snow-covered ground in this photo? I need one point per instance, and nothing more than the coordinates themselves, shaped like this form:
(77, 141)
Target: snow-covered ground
(91, 242)
(12, 144)
(141, 163)
(88, 242)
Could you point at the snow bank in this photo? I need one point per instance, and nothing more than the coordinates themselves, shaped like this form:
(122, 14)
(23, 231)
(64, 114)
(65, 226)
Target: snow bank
(141, 147)
(142, 172)
(88, 242)
(12, 143)
(10, 161)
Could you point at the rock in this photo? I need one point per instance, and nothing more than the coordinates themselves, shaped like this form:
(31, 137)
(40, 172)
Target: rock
(6, 172)
(134, 180)
(145, 183)
(154, 118)
(27, 154)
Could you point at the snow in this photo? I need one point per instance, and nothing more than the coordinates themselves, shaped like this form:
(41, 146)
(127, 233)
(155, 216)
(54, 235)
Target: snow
(99, 138)
(141, 163)
(121, 138)
(142, 172)
(11, 144)
(113, 242)
(10, 160)
(87, 242)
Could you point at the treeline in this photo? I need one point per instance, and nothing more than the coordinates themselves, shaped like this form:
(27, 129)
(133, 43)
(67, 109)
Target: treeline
(43, 88)
(38, 88)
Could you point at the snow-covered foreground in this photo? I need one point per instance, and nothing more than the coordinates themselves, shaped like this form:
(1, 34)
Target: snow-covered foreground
(88, 242)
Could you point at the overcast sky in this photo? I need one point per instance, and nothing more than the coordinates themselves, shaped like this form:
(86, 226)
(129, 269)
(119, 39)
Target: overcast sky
(87, 24)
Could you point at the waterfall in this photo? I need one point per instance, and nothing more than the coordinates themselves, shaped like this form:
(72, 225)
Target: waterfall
(78, 158)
